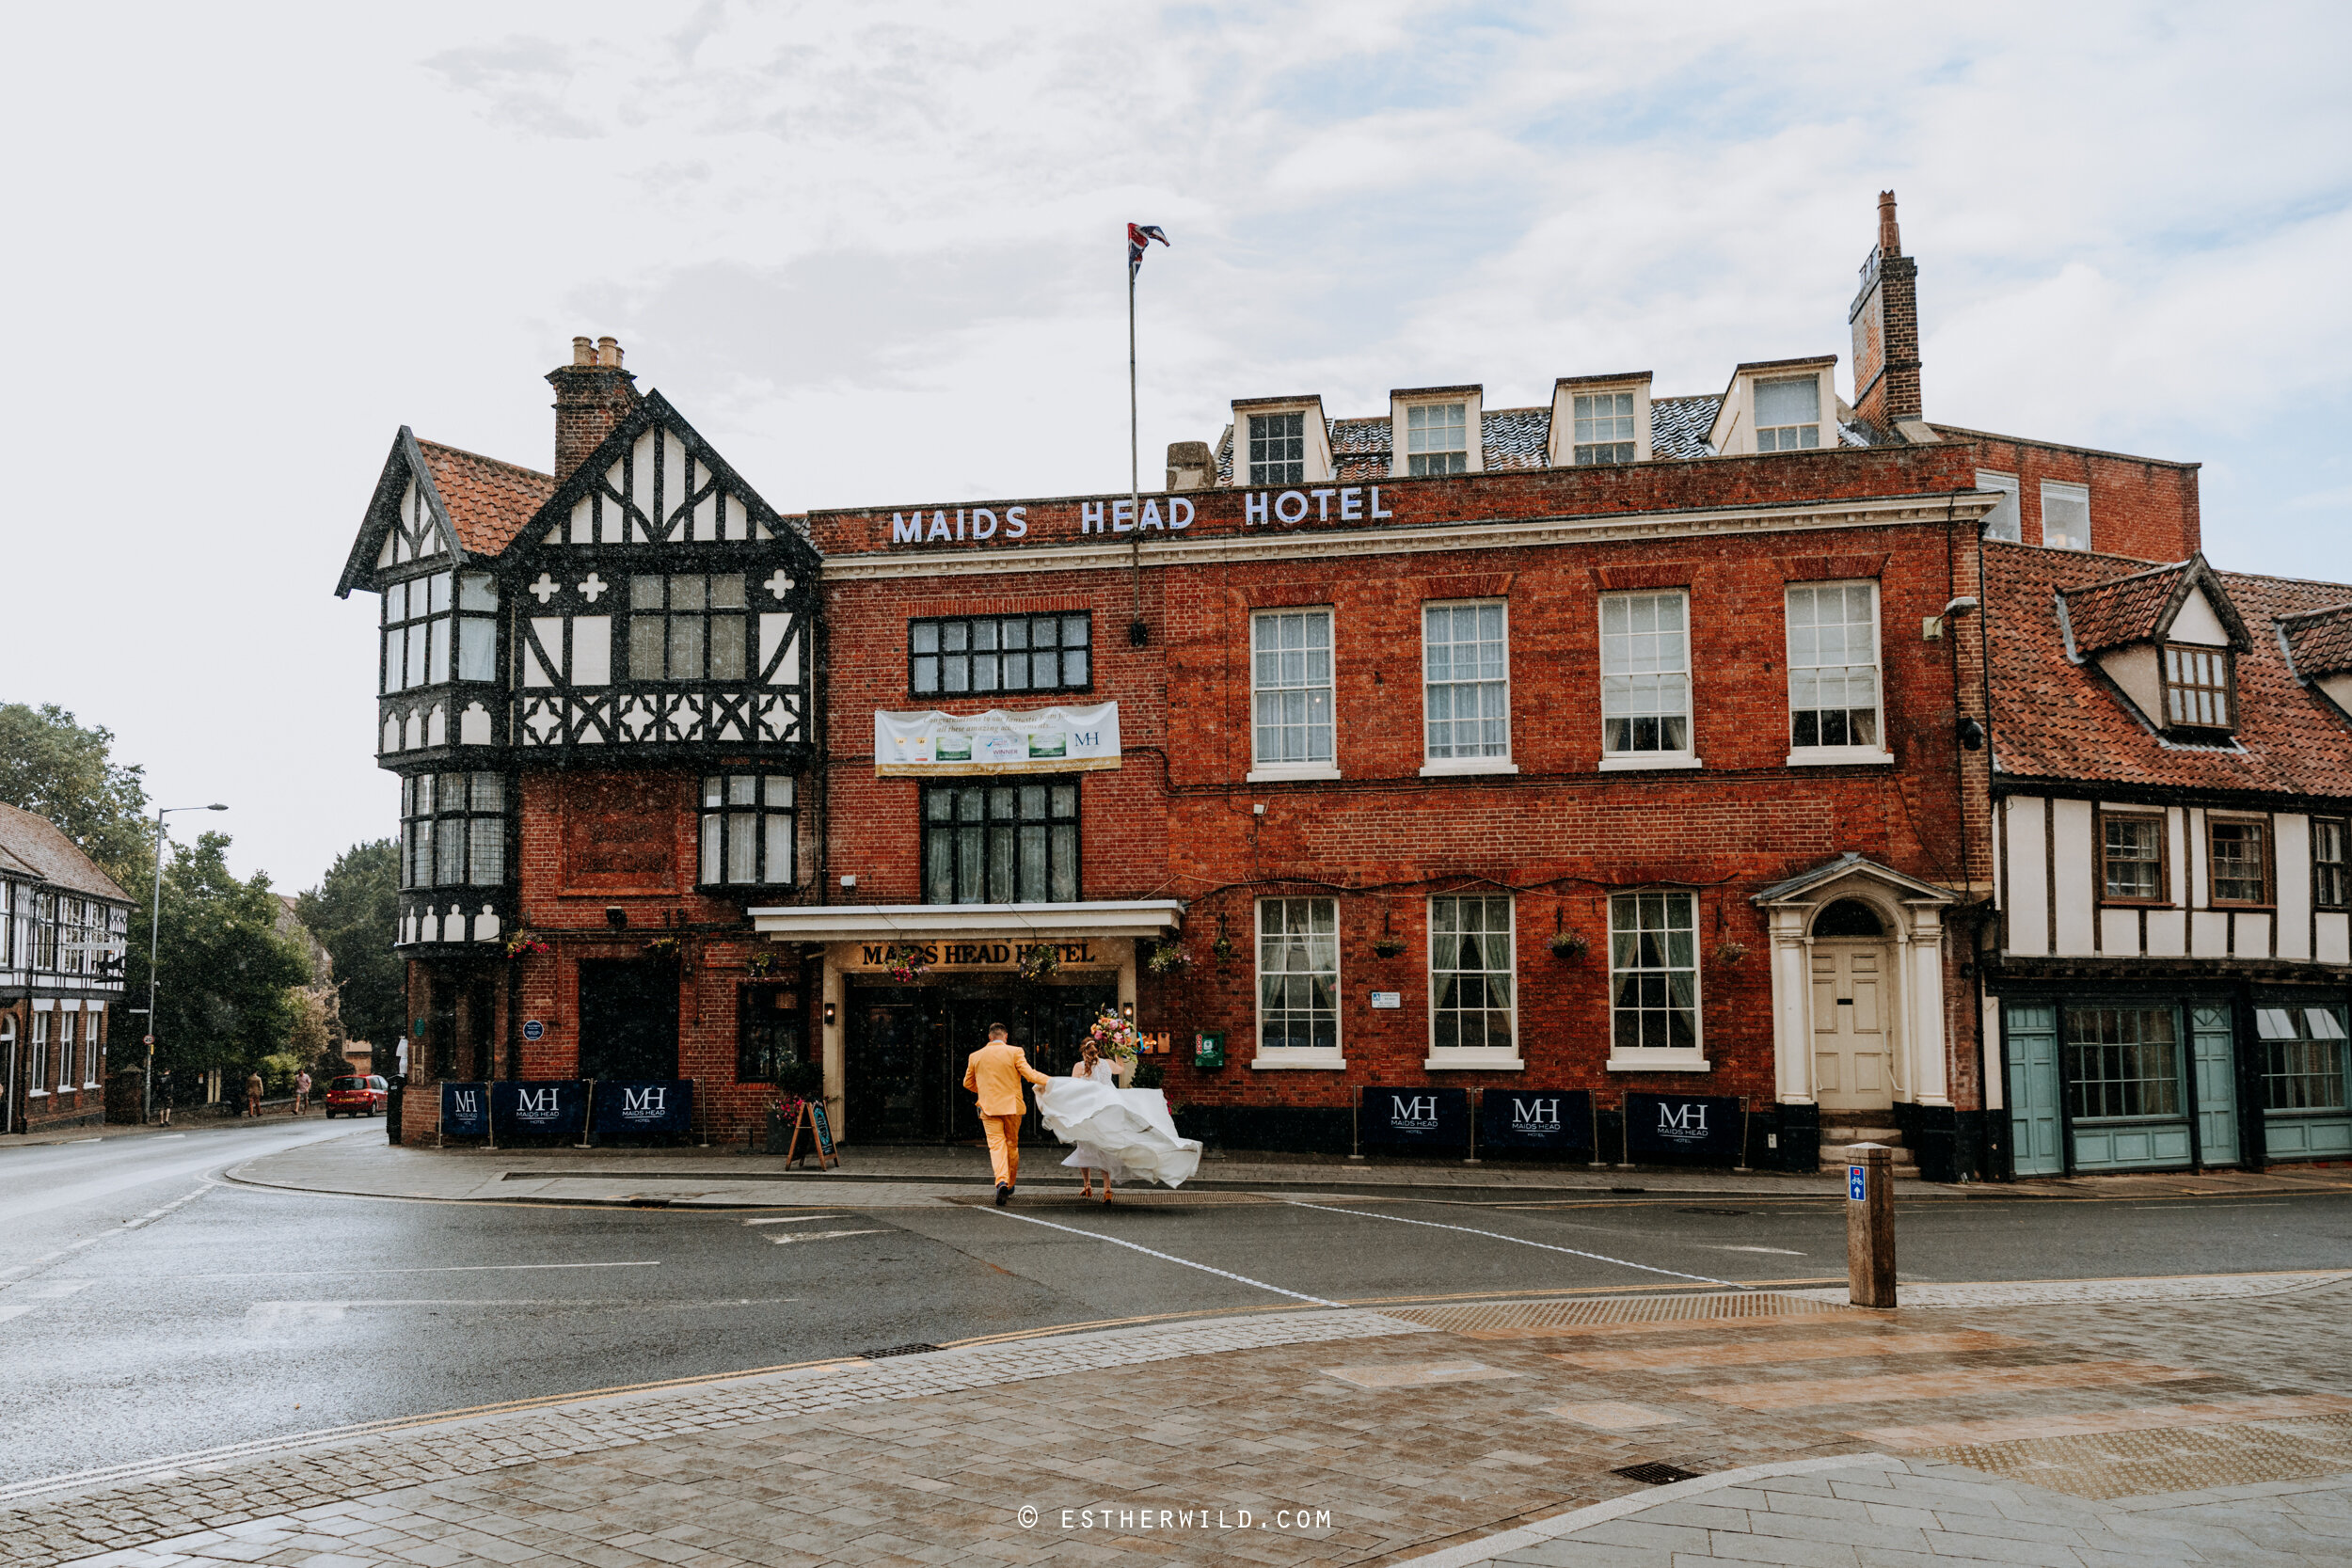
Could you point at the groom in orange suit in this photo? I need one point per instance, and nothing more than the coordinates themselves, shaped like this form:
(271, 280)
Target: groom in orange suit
(996, 1073)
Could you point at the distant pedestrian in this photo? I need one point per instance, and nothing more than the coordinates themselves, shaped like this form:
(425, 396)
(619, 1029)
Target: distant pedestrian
(163, 1097)
(302, 1091)
(253, 1096)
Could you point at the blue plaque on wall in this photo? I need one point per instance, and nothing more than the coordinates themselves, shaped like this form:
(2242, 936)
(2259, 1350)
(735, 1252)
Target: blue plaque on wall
(541, 1109)
(1423, 1118)
(1695, 1127)
(635, 1110)
(1555, 1121)
(465, 1110)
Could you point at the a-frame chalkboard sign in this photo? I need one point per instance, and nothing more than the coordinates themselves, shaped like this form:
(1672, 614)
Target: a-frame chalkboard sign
(819, 1130)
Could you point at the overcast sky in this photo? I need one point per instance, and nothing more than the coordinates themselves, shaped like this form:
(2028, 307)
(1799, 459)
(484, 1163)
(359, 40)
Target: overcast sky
(873, 251)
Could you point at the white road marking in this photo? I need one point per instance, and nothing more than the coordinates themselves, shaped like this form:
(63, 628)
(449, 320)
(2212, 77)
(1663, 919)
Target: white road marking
(818, 1236)
(1775, 1251)
(796, 1219)
(1521, 1241)
(1164, 1256)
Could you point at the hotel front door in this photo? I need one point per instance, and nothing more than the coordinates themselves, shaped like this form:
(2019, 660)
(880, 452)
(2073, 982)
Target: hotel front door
(904, 1061)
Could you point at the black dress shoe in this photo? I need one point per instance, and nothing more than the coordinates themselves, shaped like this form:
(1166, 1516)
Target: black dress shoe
(1002, 1192)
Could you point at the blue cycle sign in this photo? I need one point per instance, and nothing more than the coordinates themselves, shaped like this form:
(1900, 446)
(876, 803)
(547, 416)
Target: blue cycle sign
(1857, 1187)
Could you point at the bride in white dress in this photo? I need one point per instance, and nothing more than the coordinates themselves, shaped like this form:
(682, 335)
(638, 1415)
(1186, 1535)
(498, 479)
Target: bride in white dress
(1121, 1133)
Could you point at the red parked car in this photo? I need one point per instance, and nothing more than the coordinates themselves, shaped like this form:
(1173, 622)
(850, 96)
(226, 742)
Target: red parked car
(356, 1096)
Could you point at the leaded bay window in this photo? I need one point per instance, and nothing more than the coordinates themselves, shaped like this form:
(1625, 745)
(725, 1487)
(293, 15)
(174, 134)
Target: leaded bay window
(749, 831)
(2331, 876)
(1290, 677)
(2131, 850)
(1833, 666)
(1465, 680)
(1604, 427)
(686, 626)
(453, 829)
(1299, 974)
(1001, 843)
(1646, 674)
(987, 653)
(2197, 687)
(422, 624)
(1472, 974)
(1278, 449)
(1789, 414)
(2303, 1057)
(1653, 972)
(1437, 439)
(2239, 861)
(2123, 1062)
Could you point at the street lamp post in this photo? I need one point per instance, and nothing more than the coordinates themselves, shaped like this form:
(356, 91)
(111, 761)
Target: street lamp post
(154, 929)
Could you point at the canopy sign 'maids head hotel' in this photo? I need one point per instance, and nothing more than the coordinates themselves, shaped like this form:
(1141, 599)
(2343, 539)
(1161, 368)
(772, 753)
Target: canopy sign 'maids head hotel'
(1624, 763)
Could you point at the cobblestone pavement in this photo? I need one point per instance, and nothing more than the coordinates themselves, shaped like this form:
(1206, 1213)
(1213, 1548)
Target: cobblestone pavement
(1396, 1434)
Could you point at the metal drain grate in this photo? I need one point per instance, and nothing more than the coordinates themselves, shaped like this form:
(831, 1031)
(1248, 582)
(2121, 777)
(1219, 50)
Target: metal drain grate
(895, 1349)
(1655, 1475)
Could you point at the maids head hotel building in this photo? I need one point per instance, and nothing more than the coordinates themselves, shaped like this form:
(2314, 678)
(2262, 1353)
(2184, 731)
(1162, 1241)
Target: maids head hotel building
(1860, 773)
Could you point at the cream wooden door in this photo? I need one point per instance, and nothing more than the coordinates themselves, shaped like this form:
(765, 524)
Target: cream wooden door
(1854, 1040)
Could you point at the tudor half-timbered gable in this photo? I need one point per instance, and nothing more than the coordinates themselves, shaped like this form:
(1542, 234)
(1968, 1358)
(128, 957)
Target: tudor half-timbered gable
(662, 608)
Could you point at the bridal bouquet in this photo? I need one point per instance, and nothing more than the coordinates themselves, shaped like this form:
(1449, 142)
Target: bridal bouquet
(1116, 1039)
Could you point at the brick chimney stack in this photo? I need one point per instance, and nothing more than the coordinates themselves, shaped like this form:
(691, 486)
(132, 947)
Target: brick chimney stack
(592, 395)
(1885, 322)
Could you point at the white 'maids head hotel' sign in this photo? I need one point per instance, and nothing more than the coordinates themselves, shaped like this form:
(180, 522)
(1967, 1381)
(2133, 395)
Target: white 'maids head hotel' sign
(1048, 740)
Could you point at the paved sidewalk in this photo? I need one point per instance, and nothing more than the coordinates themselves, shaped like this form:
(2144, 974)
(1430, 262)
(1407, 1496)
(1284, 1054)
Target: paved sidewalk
(365, 1165)
(2145, 1422)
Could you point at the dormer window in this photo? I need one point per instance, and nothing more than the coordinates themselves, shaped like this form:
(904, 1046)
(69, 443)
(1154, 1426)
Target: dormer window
(1278, 449)
(2197, 687)
(1604, 427)
(1437, 439)
(1789, 414)
(418, 630)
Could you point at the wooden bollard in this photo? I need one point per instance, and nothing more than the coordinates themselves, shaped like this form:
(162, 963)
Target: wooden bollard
(1870, 1224)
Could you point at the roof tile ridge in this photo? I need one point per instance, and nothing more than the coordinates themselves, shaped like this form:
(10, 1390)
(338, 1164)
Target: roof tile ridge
(484, 457)
(2300, 582)
(2127, 577)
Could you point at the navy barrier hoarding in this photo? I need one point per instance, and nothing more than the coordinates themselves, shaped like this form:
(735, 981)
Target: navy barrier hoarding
(640, 1110)
(552, 1108)
(465, 1110)
(1551, 1121)
(1422, 1117)
(1695, 1127)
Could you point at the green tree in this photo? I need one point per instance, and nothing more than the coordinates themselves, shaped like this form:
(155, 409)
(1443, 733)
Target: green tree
(225, 998)
(53, 766)
(353, 912)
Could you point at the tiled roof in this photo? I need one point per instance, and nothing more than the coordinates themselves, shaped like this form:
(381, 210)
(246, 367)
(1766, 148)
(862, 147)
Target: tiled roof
(2319, 640)
(2109, 614)
(1515, 437)
(41, 845)
(488, 501)
(1678, 426)
(2054, 719)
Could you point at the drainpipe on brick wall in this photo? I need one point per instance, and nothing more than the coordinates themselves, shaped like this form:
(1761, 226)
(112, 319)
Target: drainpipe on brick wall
(1960, 789)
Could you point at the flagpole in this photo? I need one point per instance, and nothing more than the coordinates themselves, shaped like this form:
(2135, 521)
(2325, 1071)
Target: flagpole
(1137, 633)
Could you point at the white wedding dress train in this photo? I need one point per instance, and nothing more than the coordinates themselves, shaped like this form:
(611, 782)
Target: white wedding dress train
(1124, 1132)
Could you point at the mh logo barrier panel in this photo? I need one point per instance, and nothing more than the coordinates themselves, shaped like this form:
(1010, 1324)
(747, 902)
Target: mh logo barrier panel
(1422, 1117)
(1555, 1121)
(465, 1110)
(1673, 1127)
(638, 1110)
(553, 1108)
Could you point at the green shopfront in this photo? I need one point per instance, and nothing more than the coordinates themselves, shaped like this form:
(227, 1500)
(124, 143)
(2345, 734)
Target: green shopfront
(2130, 1079)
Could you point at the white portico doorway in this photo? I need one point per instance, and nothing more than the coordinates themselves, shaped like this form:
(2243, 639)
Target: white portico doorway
(1855, 1061)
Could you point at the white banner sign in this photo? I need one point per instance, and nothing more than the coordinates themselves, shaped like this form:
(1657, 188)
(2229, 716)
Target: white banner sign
(1050, 740)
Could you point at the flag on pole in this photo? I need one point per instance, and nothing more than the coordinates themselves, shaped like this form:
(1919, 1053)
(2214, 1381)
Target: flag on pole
(1139, 236)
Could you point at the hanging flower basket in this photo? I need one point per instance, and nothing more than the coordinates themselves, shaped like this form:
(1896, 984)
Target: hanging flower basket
(1222, 948)
(905, 961)
(762, 963)
(523, 944)
(1388, 946)
(1730, 952)
(1038, 960)
(664, 947)
(1169, 957)
(1569, 944)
